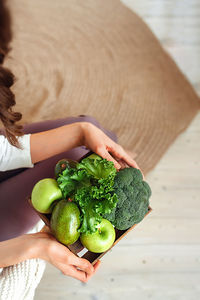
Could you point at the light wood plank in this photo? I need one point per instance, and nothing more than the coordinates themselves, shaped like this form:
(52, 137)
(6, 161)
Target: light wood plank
(130, 284)
(177, 25)
(163, 231)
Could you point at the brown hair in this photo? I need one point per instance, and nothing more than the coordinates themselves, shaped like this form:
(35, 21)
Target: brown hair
(7, 99)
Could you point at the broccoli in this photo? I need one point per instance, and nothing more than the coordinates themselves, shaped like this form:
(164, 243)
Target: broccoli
(133, 199)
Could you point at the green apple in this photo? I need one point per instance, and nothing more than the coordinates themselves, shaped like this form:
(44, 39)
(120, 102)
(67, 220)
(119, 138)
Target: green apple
(44, 193)
(101, 240)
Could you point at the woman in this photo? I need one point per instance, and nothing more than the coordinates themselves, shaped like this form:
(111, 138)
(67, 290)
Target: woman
(29, 154)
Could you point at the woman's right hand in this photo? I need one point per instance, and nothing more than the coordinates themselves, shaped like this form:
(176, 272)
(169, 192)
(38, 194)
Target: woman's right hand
(43, 245)
(49, 249)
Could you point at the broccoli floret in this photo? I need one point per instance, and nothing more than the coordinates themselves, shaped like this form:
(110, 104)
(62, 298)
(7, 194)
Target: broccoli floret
(110, 217)
(133, 199)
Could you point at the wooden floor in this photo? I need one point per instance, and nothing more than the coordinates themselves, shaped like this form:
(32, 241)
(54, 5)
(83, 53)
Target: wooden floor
(160, 258)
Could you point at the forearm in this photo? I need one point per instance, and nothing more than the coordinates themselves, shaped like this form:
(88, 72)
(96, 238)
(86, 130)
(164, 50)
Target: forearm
(44, 246)
(16, 250)
(49, 143)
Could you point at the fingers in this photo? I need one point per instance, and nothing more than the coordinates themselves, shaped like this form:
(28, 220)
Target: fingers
(96, 267)
(131, 153)
(122, 155)
(131, 162)
(105, 154)
(119, 156)
(75, 273)
(82, 264)
(122, 163)
(119, 153)
(79, 274)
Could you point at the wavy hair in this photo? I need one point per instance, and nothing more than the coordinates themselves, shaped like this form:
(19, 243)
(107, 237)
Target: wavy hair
(7, 99)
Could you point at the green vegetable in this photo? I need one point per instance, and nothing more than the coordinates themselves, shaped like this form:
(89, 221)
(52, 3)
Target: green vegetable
(71, 180)
(63, 164)
(133, 199)
(97, 167)
(93, 206)
(90, 185)
(90, 218)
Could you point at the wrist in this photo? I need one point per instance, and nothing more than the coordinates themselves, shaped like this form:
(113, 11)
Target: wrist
(85, 127)
(39, 245)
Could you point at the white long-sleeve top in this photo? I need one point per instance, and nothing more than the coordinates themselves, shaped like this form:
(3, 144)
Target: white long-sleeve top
(14, 158)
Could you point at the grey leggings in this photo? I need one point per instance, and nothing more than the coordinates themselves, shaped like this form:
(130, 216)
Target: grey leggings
(16, 215)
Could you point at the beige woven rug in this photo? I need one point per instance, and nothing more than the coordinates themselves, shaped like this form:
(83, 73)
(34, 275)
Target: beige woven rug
(97, 57)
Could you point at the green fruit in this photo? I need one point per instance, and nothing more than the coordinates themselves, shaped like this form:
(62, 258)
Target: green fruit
(44, 193)
(65, 221)
(63, 164)
(101, 240)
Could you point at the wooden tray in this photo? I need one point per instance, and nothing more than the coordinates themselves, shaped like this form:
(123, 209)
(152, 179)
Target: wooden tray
(77, 248)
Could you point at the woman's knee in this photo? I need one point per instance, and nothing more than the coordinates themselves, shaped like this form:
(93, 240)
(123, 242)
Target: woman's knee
(90, 119)
(51, 124)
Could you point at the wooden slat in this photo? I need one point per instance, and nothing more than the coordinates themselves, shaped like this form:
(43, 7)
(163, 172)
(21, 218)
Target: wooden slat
(129, 283)
(77, 246)
(177, 25)
(164, 231)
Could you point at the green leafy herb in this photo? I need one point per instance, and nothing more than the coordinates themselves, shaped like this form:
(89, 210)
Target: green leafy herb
(97, 167)
(71, 179)
(90, 184)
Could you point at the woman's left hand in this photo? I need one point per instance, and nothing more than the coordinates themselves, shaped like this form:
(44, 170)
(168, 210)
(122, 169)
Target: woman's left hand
(101, 144)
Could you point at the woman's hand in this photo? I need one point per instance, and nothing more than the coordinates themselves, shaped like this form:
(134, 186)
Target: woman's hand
(63, 259)
(51, 142)
(100, 143)
(43, 245)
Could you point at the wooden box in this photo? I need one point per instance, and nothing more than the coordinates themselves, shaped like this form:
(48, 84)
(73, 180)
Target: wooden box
(77, 248)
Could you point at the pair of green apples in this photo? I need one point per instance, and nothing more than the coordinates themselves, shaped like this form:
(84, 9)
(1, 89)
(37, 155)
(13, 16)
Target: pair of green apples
(46, 198)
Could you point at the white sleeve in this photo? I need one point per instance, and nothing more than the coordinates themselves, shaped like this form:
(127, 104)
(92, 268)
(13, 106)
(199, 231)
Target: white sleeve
(14, 158)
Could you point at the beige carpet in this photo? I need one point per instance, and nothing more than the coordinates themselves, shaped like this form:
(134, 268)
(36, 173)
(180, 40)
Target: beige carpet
(97, 57)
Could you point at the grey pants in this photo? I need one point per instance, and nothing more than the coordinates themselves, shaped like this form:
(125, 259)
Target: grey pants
(16, 215)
